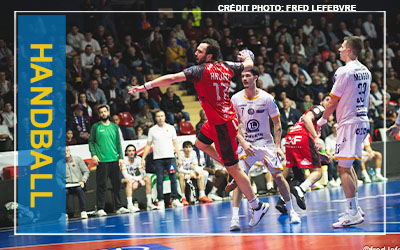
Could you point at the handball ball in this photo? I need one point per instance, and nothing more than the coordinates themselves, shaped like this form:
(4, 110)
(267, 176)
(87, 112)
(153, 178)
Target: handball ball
(246, 51)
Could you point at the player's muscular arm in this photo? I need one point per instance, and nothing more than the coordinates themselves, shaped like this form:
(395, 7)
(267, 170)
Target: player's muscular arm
(307, 119)
(161, 81)
(278, 136)
(333, 102)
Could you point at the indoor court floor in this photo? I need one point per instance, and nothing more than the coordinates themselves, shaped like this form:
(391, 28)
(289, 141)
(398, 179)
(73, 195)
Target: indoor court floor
(207, 226)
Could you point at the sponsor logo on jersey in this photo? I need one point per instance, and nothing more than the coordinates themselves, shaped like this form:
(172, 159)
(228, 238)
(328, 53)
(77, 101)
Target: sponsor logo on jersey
(253, 125)
(305, 162)
(260, 111)
(250, 111)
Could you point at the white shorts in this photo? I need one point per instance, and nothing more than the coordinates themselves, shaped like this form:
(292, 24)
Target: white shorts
(265, 154)
(349, 143)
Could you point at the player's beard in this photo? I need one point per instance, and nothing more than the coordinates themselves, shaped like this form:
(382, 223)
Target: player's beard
(104, 119)
(201, 60)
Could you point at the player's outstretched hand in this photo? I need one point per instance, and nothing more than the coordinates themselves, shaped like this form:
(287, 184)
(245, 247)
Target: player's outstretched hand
(136, 89)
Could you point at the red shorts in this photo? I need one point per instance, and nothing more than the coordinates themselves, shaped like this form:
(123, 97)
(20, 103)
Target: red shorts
(224, 138)
(300, 152)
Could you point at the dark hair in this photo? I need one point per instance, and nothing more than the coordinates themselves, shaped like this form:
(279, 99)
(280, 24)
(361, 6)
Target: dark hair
(212, 48)
(325, 96)
(355, 44)
(102, 106)
(187, 144)
(255, 71)
(126, 149)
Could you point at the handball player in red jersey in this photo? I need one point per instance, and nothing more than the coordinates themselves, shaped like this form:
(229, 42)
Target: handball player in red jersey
(218, 135)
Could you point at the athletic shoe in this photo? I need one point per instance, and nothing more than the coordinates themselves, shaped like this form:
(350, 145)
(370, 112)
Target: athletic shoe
(347, 211)
(380, 178)
(257, 214)
(176, 203)
(161, 205)
(214, 197)
(122, 210)
(84, 215)
(300, 197)
(366, 179)
(348, 220)
(133, 208)
(294, 217)
(281, 206)
(205, 199)
(317, 186)
(339, 181)
(235, 224)
(185, 202)
(360, 182)
(230, 186)
(101, 213)
(150, 206)
(332, 184)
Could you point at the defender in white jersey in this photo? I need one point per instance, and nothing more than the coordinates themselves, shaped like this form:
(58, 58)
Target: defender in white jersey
(134, 177)
(254, 107)
(350, 99)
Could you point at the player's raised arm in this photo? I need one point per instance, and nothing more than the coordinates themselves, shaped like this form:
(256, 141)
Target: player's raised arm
(247, 57)
(161, 81)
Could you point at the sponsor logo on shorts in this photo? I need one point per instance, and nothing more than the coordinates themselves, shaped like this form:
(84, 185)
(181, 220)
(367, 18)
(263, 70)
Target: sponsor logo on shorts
(305, 162)
(293, 139)
(362, 131)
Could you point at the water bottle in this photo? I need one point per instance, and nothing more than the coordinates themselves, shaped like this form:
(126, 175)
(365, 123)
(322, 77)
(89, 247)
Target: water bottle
(371, 171)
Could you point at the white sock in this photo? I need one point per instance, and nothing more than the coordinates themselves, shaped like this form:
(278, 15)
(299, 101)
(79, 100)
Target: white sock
(364, 173)
(202, 193)
(270, 185)
(129, 199)
(183, 196)
(235, 212)
(148, 196)
(305, 185)
(254, 203)
(214, 190)
(289, 205)
(352, 206)
(356, 197)
(378, 171)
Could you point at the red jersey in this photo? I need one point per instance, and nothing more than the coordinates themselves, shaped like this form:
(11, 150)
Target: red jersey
(300, 129)
(212, 82)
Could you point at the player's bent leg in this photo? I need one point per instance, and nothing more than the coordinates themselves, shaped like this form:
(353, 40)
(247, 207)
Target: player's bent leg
(208, 149)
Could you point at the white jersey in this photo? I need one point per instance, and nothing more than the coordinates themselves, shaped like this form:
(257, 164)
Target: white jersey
(253, 115)
(133, 170)
(191, 162)
(351, 85)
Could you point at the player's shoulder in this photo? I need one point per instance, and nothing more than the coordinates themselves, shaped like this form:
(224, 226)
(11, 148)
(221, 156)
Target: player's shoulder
(238, 95)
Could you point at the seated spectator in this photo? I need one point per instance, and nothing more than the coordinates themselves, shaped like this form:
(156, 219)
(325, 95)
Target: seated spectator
(8, 116)
(367, 155)
(393, 84)
(302, 90)
(319, 40)
(190, 53)
(114, 48)
(136, 63)
(375, 121)
(140, 133)
(114, 97)
(316, 60)
(106, 57)
(125, 133)
(87, 60)
(284, 86)
(308, 27)
(390, 110)
(332, 59)
(75, 38)
(82, 99)
(283, 96)
(89, 40)
(135, 177)
(326, 130)
(330, 146)
(157, 52)
(192, 32)
(76, 174)
(144, 119)
(173, 107)
(76, 74)
(70, 139)
(175, 57)
(95, 94)
(190, 170)
(306, 104)
(315, 72)
(289, 116)
(296, 71)
(151, 103)
(279, 72)
(102, 79)
(79, 124)
(310, 49)
(6, 138)
(266, 79)
(317, 87)
(131, 101)
(119, 71)
(4, 84)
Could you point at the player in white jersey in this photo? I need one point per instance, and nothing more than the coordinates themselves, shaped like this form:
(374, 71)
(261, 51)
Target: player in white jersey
(134, 177)
(190, 170)
(350, 99)
(254, 107)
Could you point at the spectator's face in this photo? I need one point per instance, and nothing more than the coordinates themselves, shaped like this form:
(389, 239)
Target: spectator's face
(295, 68)
(139, 130)
(334, 128)
(70, 134)
(97, 73)
(145, 95)
(374, 87)
(261, 68)
(307, 98)
(88, 36)
(286, 103)
(203, 115)
(316, 80)
(187, 150)
(78, 112)
(132, 51)
(94, 85)
(133, 81)
(130, 152)
(8, 107)
(284, 81)
(3, 76)
(115, 119)
(325, 102)
(88, 50)
(74, 30)
(67, 152)
(115, 60)
(174, 43)
(82, 98)
(160, 118)
(302, 79)
(170, 92)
